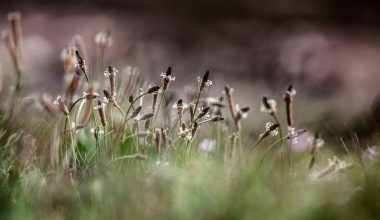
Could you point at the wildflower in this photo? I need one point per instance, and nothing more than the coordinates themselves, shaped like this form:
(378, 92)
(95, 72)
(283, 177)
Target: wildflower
(104, 38)
(153, 89)
(110, 71)
(268, 128)
(166, 78)
(203, 112)
(93, 130)
(180, 105)
(204, 81)
(268, 106)
(207, 146)
(97, 132)
(241, 112)
(81, 62)
(293, 134)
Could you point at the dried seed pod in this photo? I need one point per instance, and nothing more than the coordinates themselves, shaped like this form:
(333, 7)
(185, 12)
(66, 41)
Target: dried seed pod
(203, 112)
(136, 112)
(180, 108)
(217, 118)
(130, 99)
(268, 131)
(153, 89)
(204, 80)
(167, 78)
(112, 78)
(269, 105)
(290, 92)
(102, 114)
(81, 62)
(146, 116)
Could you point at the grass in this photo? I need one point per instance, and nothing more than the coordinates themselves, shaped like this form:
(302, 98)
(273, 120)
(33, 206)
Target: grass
(112, 156)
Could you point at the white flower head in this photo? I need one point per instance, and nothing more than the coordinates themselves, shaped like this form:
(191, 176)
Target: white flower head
(100, 131)
(207, 146)
(105, 100)
(167, 77)
(291, 92)
(208, 82)
(107, 72)
(184, 106)
(100, 106)
(267, 128)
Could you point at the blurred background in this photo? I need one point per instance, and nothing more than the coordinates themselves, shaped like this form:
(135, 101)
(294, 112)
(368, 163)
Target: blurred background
(328, 49)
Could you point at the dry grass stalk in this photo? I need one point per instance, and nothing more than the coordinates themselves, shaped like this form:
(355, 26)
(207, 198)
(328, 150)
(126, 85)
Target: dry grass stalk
(12, 50)
(231, 106)
(15, 20)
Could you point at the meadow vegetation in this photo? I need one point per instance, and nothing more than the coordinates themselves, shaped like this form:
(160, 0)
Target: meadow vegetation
(114, 145)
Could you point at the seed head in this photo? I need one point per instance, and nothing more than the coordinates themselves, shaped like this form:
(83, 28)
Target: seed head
(204, 81)
(153, 89)
(166, 78)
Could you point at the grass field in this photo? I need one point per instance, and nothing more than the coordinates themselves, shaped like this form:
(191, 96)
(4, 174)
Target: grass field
(115, 146)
